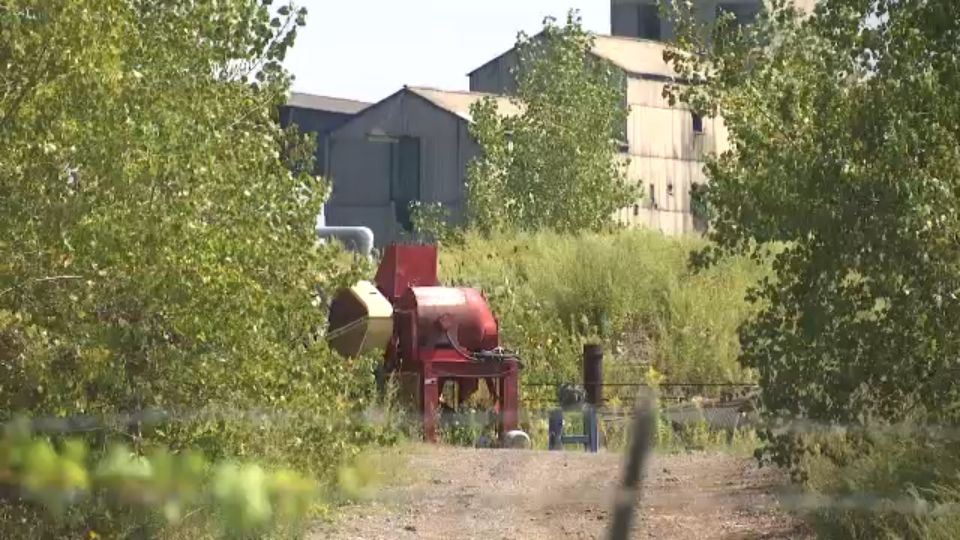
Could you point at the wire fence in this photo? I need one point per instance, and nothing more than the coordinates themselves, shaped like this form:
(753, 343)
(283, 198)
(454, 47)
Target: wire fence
(637, 417)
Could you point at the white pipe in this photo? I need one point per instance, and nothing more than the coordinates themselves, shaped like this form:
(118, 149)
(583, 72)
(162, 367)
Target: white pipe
(359, 239)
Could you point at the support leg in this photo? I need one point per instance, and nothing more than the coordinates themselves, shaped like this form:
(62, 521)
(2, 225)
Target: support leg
(493, 389)
(430, 393)
(510, 399)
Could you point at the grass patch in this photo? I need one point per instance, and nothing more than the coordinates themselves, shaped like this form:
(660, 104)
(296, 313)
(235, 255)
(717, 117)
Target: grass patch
(883, 486)
(632, 290)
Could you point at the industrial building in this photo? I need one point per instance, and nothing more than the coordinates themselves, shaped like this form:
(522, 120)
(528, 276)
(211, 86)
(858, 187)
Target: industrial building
(414, 145)
(665, 144)
(318, 115)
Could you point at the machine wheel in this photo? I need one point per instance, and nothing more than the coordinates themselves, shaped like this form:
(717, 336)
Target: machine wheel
(517, 440)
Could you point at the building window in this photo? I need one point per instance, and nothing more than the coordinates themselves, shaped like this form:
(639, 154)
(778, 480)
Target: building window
(652, 197)
(697, 123)
(670, 189)
(636, 210)
(648, 21)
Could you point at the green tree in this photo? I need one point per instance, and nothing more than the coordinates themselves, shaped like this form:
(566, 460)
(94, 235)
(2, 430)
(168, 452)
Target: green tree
(556, 165)
(157, 243)
(845, 151)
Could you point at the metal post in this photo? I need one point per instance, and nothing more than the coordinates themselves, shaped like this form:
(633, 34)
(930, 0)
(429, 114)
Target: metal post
(555, 430)
(591, 428)
(593, 373)
(641, 445)
(510, 397)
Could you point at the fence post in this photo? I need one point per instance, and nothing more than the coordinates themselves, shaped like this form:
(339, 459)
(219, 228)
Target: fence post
(641, 446)
(593, 373)
(555, 430)
(591, 425)
(593, 385)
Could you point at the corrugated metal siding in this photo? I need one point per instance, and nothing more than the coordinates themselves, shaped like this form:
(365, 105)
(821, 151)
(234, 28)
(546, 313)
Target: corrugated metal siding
(663, 132)
(313, 121)
(646, 92)
(662, 172)
(360, 171)
(665, 151)
(495, 77)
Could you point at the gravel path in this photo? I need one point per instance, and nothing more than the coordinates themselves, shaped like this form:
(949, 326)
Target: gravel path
(516, 495)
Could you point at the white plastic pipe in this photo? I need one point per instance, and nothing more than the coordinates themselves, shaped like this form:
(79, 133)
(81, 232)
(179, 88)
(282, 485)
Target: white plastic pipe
(358, 239)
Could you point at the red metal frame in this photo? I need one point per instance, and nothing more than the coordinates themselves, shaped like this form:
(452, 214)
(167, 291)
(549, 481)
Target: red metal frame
(406, 266)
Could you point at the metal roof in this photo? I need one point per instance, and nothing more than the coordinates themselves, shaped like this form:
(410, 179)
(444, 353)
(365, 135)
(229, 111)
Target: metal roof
(637, 57)
(459, 102)
(326, 103)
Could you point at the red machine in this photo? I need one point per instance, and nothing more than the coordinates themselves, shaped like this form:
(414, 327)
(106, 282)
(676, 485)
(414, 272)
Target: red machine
(444, 334)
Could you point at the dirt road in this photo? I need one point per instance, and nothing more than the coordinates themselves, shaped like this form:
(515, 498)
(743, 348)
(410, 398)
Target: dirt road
(518, 495)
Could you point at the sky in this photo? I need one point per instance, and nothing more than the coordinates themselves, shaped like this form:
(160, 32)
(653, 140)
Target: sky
(368, 49)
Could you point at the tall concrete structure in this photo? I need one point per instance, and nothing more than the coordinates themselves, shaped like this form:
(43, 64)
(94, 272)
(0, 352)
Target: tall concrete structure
(643, 18)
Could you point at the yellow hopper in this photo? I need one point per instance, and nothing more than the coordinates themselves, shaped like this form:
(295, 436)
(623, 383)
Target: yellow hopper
(361, 320)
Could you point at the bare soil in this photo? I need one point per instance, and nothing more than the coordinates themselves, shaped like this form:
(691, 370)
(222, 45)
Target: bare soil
(517, 494)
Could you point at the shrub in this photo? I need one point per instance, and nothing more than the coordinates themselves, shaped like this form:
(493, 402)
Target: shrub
(157, 239)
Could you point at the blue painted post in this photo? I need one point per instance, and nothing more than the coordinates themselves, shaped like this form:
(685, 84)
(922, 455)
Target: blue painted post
(591, 426)
(556, 430)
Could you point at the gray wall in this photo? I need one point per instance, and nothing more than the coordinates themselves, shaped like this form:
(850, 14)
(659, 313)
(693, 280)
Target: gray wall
(360, 168)
(495, 77)
(313, 121)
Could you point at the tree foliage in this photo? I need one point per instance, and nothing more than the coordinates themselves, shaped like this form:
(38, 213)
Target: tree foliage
(557, 164)
(157, 242)
(845, 152)
(248, 499)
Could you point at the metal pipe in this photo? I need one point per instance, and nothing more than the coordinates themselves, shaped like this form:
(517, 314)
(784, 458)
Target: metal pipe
(358, 239)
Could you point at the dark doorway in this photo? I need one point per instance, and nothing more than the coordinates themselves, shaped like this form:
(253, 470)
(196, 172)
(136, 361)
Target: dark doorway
(405, 178)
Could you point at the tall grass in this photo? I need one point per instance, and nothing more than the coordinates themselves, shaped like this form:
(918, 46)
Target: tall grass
(631, 290)
(885, 486)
